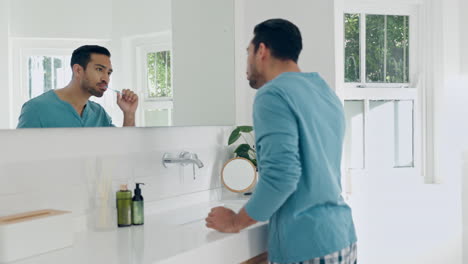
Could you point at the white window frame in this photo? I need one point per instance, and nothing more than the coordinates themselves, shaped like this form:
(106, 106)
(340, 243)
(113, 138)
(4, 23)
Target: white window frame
(385, 91)
(138, 47)
(21, 50)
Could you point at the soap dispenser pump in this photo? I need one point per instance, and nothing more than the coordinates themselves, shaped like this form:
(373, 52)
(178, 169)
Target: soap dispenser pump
(138, 213)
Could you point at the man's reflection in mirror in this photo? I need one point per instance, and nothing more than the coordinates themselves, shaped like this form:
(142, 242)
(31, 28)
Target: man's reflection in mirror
(70, 106)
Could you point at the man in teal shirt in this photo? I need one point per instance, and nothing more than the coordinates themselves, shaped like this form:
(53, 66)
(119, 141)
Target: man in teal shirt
(299, 130)
(70, 106)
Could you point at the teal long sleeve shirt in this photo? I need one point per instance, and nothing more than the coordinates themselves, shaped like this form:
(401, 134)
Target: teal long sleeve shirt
(299, 129)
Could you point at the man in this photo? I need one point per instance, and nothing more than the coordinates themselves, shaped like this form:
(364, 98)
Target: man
(299, 129)
(70, 106)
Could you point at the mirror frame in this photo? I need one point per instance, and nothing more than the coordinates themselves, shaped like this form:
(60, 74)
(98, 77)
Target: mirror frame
(252, 184)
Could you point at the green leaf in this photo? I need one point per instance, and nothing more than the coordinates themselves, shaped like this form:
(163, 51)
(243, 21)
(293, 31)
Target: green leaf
(243, 155)
(242, 148)
(254, 161)
(235, 135)
(245, 129)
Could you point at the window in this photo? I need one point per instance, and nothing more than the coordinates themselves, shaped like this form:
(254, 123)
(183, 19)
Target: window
(352, 48)
(159, 74)
(354, 138)
(159, 89)
(391, 124)
(387, 44)
(390, 129)
(154, 78)
(380, 95)
(47, 73)
(157, 105)
(377, 50)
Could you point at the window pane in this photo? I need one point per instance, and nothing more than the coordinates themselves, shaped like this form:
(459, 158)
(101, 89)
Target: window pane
(159, 74)
(375, 46)
(397, 49)
(36, 76)
(158, 117)
(352, 48)
(46, 73)
(387, 49)
(354, 138)
(391, 133)
(404, 147)
(57, 68)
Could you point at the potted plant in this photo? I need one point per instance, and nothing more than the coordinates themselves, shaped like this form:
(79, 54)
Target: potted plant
(247, 149)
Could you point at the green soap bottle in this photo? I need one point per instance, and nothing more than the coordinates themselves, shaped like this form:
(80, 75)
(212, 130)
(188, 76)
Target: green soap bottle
(138, 209)
(124, 206)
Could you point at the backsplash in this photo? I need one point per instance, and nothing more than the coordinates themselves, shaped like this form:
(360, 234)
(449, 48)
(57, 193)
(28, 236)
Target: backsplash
(69, 169)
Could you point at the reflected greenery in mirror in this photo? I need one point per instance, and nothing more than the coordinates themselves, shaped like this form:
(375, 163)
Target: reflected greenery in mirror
(159, 74)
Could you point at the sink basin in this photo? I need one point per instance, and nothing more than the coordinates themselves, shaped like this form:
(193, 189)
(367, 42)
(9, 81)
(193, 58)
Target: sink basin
(197, 213)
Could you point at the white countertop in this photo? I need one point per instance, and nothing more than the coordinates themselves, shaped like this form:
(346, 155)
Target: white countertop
(175, 236)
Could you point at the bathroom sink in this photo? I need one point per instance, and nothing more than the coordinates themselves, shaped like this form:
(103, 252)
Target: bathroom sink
(197, 213)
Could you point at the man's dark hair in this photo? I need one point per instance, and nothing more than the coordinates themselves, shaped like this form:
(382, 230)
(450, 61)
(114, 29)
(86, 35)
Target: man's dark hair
(282, 37)
(82, 55)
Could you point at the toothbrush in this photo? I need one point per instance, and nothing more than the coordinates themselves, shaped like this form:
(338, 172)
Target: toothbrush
(119, 92)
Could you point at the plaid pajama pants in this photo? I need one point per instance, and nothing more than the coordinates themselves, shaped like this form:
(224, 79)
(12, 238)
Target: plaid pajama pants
(345, 256)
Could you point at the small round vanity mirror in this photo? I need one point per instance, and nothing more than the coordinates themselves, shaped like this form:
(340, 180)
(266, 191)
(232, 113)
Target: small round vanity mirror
(239, 175)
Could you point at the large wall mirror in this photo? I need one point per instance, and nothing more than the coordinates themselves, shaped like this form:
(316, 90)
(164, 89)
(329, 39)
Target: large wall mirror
(177, 55)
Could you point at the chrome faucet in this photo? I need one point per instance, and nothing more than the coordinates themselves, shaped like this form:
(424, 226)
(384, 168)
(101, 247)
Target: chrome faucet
(184, 159)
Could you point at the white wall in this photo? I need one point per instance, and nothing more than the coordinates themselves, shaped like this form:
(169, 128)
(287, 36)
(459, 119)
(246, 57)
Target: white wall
(464, 34)
(461, 103)
(456, 148)
(460, 111)
(141, 17)
(203, 46)
(315, 20)
(62, 168)
(450, 133)
(61, 19)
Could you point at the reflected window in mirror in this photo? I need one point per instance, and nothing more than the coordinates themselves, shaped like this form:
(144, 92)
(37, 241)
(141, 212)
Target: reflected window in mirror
(47, 73)
(155, 64)
(158, 66)
(159, 89)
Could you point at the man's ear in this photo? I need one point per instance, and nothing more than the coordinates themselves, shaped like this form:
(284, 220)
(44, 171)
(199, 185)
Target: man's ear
(77, 70)
(262, 50)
